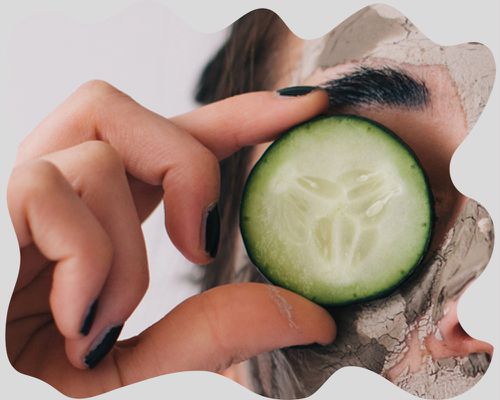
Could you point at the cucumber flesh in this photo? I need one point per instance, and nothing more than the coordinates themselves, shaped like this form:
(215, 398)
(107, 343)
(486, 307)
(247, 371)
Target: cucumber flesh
(338, 209)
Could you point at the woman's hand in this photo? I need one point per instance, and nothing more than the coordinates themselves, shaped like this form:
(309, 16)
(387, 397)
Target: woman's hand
(84, 181)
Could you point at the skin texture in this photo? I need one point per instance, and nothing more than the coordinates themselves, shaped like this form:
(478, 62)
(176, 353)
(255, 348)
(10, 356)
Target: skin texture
(84, 181)
(412, 337)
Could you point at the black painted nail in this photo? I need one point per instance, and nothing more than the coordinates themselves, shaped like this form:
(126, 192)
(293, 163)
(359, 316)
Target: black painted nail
(296, 90)
(89, 319)
(105, 345)
(212, 230)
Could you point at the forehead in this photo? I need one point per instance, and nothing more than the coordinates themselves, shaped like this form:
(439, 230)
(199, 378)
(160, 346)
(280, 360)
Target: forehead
(380, 32)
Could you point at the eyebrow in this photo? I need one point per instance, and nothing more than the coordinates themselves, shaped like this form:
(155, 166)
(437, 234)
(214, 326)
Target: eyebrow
(384, 86)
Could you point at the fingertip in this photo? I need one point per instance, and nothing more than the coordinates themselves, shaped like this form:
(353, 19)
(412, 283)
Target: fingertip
(73, 355)
(89, 318)
(304, 92)
(328, 333)
(196, 238)
(311, 94)
(90, 354)
(211, 230)
(314, 323)
(322, 97)
(73, 321)
(295, 91)
(191, 192)
(102, 346)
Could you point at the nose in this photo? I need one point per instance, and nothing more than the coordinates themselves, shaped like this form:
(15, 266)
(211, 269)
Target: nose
(451, 340)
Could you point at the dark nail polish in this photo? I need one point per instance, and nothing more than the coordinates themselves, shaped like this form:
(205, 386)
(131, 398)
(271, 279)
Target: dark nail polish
(89, 319)
(99, 352)
(212, 230)
(296, 90)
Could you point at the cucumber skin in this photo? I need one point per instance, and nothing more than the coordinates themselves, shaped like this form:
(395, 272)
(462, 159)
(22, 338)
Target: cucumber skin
(410, 273)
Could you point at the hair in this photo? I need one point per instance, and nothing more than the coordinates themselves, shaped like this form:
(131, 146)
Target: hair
(383, 86)
(247, 62)
(243, 64)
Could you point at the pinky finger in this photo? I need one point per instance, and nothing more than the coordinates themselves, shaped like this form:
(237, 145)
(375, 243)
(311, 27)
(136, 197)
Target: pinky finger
(47, 212)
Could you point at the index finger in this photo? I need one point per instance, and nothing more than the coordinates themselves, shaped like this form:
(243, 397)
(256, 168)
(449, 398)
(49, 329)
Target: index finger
(98, 111)
(161, 153)
(248, 119)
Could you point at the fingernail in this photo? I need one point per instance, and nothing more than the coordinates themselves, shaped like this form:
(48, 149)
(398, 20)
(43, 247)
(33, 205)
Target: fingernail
(212, 230)
(296, 90)
(89, 319)
(99, 351)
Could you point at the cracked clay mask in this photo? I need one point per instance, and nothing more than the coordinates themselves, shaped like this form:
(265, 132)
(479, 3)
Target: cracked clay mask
(411, 337)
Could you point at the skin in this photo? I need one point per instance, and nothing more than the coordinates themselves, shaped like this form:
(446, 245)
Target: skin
(84, 181)
(100, 146)
(414, 333)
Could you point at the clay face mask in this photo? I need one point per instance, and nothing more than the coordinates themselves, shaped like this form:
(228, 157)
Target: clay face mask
(413, 337)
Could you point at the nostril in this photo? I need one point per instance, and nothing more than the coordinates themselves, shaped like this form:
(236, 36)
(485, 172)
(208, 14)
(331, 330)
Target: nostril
(451, 340)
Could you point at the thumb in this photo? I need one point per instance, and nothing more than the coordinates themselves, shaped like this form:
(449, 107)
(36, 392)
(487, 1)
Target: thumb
(222, 326)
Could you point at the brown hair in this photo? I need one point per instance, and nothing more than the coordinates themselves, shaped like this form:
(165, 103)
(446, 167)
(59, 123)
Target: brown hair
(243, 64)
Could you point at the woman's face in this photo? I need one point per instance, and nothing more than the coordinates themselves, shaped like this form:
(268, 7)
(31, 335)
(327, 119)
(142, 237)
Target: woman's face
(413, 337)
(418, 102)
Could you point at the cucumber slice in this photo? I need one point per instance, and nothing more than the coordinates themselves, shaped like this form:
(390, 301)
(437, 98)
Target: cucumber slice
(338, 209)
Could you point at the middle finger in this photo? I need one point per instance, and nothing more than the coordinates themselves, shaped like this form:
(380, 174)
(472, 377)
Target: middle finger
(96, 173)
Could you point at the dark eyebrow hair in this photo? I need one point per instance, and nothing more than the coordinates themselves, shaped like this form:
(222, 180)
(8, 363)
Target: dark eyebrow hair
(384, 86)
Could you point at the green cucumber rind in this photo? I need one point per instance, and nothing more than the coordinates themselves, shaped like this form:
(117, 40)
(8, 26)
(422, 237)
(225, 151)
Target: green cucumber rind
(376, 295)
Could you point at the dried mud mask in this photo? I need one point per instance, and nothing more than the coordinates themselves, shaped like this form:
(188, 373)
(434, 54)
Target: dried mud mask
(413, 337)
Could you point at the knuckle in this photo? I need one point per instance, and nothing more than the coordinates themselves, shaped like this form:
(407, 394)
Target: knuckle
(31, 182)
(96, 88)
(34, 177)
(98, 249)
(207, 162)
(103, 157)
(92, 94)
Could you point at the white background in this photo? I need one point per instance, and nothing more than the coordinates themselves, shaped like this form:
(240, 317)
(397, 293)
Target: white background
(153, 53)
